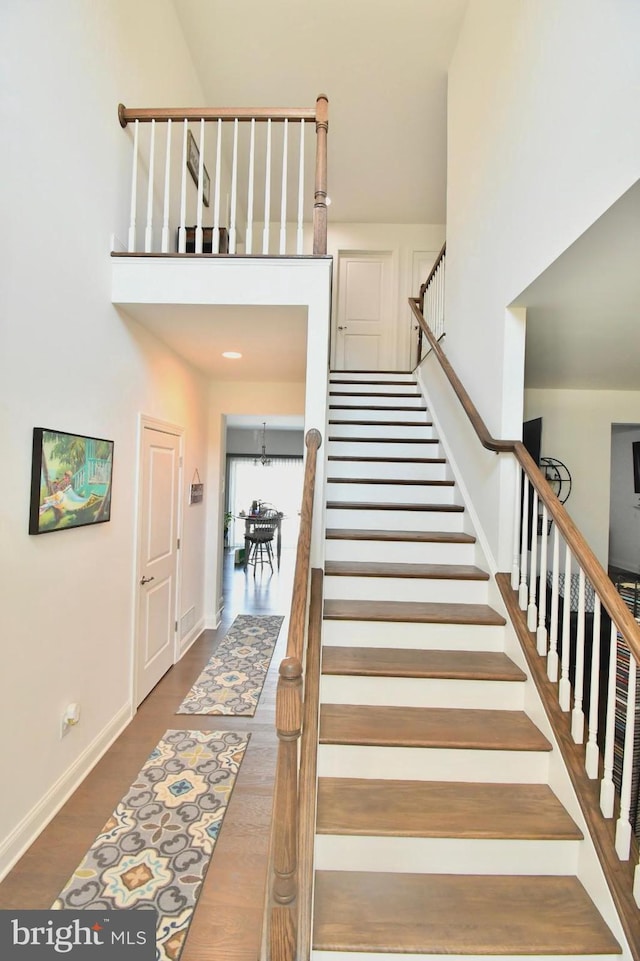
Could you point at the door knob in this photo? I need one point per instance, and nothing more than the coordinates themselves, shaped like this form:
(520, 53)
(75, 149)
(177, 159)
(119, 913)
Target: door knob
(145, 580)
(342, 328)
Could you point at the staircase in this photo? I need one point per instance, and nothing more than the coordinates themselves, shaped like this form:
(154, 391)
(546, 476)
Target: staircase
(436, 832)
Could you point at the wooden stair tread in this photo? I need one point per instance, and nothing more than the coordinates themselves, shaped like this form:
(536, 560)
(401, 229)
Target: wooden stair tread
(454, 572)
(411, 407)
(382, 423)
(391, 481)
(441, 809)
(367, 370)
(421, 612)
(401, 662)
(385, 440)
(406, 383)
(387, 460)
(456, 914)
(392, 506)
(377, 393)
(455, 728)
(362, 534)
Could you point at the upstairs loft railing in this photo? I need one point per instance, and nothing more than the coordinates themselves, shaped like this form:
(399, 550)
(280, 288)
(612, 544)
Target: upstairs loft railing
(588, 648)
(227, 180)
(431, 302)
(288, 903)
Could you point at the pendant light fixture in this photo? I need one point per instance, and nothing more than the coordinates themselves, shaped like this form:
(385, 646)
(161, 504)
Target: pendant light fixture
(263, 459)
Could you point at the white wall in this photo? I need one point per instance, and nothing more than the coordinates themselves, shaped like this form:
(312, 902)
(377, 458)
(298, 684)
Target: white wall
(624, 522)
(542, 138)
(576, 429)
(70, 361)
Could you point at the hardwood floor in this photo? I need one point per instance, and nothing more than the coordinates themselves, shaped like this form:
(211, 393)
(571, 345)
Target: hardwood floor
(227, 921)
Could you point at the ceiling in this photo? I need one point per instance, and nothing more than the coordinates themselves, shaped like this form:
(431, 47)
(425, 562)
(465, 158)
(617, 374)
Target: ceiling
(383, 66)
(583, 312)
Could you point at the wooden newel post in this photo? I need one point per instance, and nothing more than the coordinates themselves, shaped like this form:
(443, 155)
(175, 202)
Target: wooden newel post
(320, 195)
(285, 811)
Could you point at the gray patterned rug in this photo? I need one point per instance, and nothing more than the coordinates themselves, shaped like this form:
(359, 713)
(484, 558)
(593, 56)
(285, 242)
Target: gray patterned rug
(154, 850)
(232, 681)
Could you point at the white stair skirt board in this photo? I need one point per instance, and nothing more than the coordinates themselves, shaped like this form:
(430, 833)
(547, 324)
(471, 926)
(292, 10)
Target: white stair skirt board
(401, 470)
(422, 692)
(433, 590)
(445, 855)
(348, 411)
(436, 637)
(391, 493)
(351, 448)
(433, 764)
(399, 552)
(388, 520)
(376, 430)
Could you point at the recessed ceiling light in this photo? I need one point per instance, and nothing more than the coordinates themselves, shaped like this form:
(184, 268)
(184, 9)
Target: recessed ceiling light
(232, 355)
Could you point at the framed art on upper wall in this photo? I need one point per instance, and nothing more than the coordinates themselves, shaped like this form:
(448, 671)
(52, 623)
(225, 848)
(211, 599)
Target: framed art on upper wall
(193, 163)
(70, 481)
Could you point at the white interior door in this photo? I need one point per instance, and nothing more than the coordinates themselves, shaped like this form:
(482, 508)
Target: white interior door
(364, 327)
(157, 558)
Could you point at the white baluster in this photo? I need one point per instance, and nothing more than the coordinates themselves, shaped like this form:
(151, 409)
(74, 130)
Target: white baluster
(283, 195)
(552, 660)
(300, 236)
(148, 233)
(577, 716)
(182, 230)
(234, 190)
(607, 787)
(623, 827)
(564, 688)
(523, 591)
(267, 192)
(592, 756)
(515, 567)
(541, 633)
(167, 189)
(532, 610)
(636, 885)
(252, 146)
(131, 247)
(215, 235)
(198, 238)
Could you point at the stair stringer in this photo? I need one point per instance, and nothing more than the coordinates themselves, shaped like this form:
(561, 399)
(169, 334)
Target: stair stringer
(589, 869)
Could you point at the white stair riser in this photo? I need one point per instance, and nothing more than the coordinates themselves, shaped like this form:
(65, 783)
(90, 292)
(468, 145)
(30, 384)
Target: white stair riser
(433, 764)
(392, 956)
(422, 692)
(392, 493)
(426, 589)
(398, 552)
(391, 520)
(414, 432)
(445, 855)
(362, 397)
(367, 375)
(386, 469)
(391, 415)
(421, 637)
(408, 387)
(346, 448)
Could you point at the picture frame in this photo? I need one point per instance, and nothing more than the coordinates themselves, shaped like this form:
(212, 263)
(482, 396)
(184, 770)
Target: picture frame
(193, 165)
(71, 477)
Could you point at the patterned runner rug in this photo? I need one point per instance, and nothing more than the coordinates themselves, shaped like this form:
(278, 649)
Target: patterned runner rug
(155, 849)
(232, 681)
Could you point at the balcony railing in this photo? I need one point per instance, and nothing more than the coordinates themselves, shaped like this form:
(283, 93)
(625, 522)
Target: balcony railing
(227, 180)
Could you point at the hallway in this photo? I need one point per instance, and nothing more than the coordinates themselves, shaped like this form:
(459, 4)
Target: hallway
(227, 922)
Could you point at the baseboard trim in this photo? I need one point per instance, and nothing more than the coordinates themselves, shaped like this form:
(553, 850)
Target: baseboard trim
(25, 833)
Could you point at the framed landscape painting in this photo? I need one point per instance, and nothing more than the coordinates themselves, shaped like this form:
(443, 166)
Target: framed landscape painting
(70, 481)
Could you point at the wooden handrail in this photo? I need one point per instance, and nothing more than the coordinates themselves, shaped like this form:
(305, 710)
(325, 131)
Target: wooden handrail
(616, 607)
(309, 766)
(295, 637)
(147, 114)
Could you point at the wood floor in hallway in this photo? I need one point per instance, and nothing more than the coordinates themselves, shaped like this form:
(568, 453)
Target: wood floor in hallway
(227, 921)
